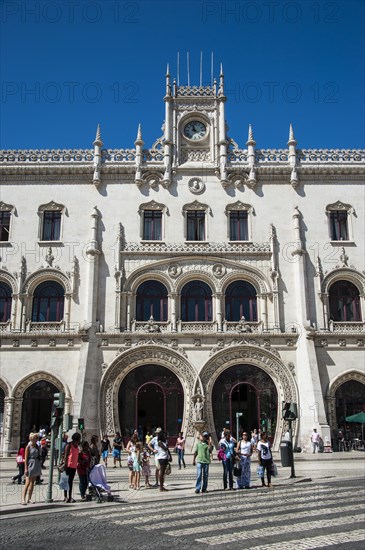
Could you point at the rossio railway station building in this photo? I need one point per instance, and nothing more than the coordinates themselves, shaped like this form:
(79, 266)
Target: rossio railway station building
(180, 285)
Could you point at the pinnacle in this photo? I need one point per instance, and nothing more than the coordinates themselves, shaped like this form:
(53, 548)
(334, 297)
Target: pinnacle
(98, 140)
(250, 140)
(292, 140)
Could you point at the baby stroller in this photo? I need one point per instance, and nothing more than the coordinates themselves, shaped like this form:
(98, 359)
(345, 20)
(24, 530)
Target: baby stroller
(98, 484)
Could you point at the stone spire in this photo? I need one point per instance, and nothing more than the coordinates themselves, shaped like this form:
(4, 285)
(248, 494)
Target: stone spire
(251, 143)
(139, 155)
(221, 81)
(168, 86)
(292, 157)
(97, 156)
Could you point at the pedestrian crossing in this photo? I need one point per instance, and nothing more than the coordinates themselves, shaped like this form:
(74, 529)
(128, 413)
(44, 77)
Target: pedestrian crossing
(300, 518)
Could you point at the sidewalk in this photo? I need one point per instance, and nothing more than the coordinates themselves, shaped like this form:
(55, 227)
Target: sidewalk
(308, 468)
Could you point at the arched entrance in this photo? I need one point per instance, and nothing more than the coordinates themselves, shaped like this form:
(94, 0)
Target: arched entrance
(350, 399)
(37, 407)
(151, 396)
(248, 391)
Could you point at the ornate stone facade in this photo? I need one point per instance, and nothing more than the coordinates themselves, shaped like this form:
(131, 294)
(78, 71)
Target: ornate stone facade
(283, 201)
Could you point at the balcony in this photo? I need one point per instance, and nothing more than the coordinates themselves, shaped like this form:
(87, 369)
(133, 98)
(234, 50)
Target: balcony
(347, 326)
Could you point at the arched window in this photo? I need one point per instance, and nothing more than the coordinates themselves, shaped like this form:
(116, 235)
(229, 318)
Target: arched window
(5, 302)
(241, 301)
(196, 302)
(344, 302)
(48, 302)
(151, 300)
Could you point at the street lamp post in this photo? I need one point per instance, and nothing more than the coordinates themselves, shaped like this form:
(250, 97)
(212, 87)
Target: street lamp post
(238, 415)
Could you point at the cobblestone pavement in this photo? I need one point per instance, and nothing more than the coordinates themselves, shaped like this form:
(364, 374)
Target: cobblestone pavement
(328, 513)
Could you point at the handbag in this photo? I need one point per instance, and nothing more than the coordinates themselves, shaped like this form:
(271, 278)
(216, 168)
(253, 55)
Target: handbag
(260, 471)
(63, 483)
(274, 470)
(168, 469)
(19, 459)
(237, 471)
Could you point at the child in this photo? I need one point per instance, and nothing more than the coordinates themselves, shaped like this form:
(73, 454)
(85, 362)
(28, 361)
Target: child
(137, 465)
(105, 448)
(146, 468)
(83, 467)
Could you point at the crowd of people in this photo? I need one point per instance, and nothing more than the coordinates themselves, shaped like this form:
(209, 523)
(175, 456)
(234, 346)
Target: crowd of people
(80, 456)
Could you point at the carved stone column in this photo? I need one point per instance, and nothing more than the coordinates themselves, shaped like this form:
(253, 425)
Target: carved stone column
(128, 297)
(9, 410)
(67, 311)
(218, 305)
(173, 298)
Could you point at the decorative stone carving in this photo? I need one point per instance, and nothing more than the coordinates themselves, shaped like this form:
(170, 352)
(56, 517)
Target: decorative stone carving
(49, 257)
(15, 343)
(219, 270)
(151, 326)
(174, 270)
(70, 343)
(52, 343)
(198, 401)
(344, 257)
(33, 343)
(105, 342)
(197, 342)
(342, 343)
(196, 185)
(243, 326)
(324, 343)
(360, 343)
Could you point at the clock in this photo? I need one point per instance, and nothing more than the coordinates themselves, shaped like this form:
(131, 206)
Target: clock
(195, 130)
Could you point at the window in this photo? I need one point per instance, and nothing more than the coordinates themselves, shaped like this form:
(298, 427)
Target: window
(5, 219)
(152, 225)
(241, 301)
(196, 302)
(238, 226)
(5, 302)
(344, 301)
(48, 302)
(340, 221)
(152, 220)
(151, 300)
(51, 221)
(51, 226)
(338, 226)
(239, 221)
(195, 226)
(4, 226)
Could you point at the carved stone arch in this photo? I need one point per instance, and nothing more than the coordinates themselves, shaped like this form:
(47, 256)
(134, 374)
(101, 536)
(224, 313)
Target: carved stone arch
(347, 274)
(8, 278)
(6, 207)
(132, 359)
(238, 205)
(358, 376)
(153, 205)
(53, 206)
(249, 274)
(196, 205)
(278, 371)
(196, 275)
(338, 205)
(5, 386)
(46, 274)
(25, 383)
(146, 274)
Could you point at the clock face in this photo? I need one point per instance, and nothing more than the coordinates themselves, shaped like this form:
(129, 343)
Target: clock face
(195, 130)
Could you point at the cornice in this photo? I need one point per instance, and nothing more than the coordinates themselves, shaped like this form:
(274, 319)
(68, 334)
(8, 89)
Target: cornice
(273, 162)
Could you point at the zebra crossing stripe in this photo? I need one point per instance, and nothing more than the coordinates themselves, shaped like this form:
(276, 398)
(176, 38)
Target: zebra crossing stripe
(227, 498)
(320, 541)
(280, 530)
(185, 520)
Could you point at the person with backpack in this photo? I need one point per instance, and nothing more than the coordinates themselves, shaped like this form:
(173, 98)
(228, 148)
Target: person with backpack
(20, 463)
(227, 445)
(264, 457)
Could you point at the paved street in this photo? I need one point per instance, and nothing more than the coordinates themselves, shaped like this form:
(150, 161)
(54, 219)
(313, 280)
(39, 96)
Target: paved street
(323, 510)
(303, 516)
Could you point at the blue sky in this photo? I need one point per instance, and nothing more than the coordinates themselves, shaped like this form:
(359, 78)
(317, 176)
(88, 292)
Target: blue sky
(67, 65)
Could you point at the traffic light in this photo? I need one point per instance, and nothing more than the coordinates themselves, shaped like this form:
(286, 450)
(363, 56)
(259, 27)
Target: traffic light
(67, 422)
(58, 408)
(290, 411)
(81, 424)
